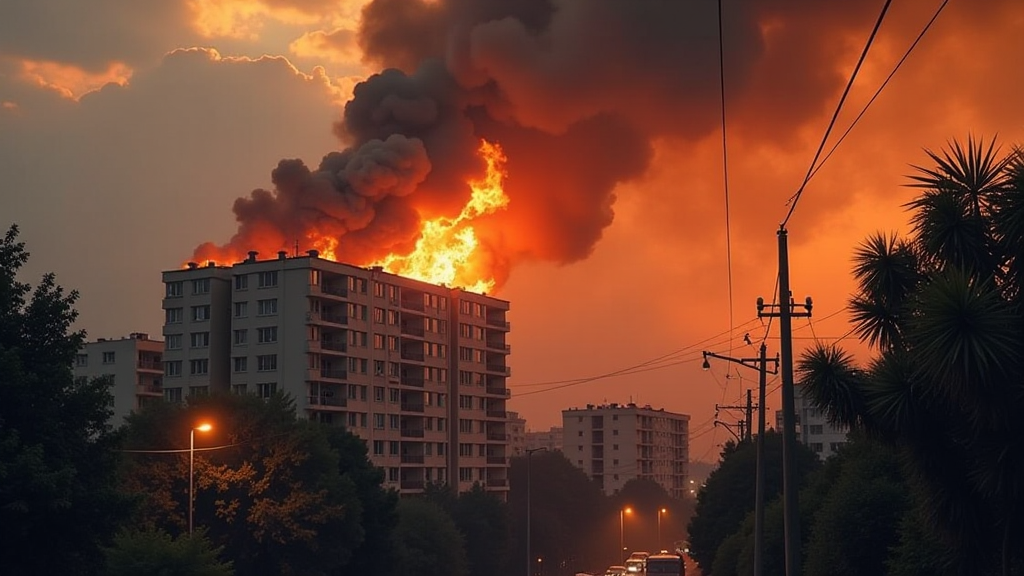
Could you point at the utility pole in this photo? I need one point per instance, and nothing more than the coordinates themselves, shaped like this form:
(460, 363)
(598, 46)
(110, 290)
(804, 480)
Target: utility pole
(785, 314)
(762, 368)
(750, 430)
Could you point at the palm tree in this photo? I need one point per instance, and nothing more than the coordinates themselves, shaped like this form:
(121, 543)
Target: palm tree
(943, 311)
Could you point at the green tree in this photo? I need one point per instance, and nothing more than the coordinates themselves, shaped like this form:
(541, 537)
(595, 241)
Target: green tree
(58, 499)
(271, 489)
(482, 519)
(943, 311)
(571, 525)
(137, 552)
(728, 495)
(426, 541)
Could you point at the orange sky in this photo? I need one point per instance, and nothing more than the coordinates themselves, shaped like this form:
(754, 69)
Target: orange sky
(128, 130)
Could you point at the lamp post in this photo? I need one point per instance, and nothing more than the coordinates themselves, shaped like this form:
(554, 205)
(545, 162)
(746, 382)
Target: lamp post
(622, 542)
(204, 427)
(529, 557)
(762, 368)
(660, 512)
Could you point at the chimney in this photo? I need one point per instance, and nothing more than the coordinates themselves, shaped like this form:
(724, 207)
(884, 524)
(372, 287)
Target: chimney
(313, 253)
(192, 265)
(211, 264)
(282, 255)
(252, 256)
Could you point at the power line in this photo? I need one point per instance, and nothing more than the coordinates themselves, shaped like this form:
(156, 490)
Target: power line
(725, 163)
(796, 197)
(880, 88)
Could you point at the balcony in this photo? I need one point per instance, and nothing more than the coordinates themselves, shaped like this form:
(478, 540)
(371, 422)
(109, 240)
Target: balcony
(417, 382)
(412, 407)
(497, 460)
(499, 323)
(412, 458)
(500, 369)
(334, 346)
(415, 355)
(497, 482)
(333, 374)
(496, 414)
(411, 484)
(497, 437)
(334, 290)
(328, 401)
(497, 391)
(412, 433)
(154, 365)
(499, 346)
(412, 329)
(149, 390)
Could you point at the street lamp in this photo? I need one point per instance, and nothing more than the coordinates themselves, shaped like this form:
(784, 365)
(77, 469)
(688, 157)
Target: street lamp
(529, 557)
(622, 542)
(204, 427)
(660, 512)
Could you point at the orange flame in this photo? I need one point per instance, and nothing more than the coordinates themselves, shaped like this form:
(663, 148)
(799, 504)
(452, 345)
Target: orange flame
(444, 252)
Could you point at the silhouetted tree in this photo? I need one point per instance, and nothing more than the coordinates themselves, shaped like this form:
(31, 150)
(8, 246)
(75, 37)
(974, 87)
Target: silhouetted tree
(426, 541)
(58, 498)
(138, 552)
(944, 311)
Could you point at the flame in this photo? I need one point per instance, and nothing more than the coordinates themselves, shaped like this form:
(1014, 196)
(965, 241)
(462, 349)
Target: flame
(444, 252)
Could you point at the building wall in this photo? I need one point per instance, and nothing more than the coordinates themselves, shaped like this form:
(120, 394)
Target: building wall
(550, 439)
(416, 370)
(813, 428)
(516, 428)
(615, 443)
(135, 365)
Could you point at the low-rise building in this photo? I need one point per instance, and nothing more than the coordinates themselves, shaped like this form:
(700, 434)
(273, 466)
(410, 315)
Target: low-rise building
(135, 366)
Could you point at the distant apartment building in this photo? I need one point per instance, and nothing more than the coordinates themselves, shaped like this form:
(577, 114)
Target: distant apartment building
(134, 364)
(550, 439)
(418, 371)
(813, 428)
(615, 443)
(516, 434)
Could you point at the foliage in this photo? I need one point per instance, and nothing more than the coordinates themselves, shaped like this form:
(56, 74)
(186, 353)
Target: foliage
(570, 520)
(426, 541)
(944, 310)
(270, 489)
(58, 502)
(728, 495)
(482, 519)
(646, 498)
(155, 552)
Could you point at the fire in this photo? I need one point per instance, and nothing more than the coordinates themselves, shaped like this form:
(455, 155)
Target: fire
(444, 252)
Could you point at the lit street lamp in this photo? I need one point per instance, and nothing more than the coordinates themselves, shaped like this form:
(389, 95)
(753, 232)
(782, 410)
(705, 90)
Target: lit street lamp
(622, 542)
(204, 427)
(660, 512)
(529, 454)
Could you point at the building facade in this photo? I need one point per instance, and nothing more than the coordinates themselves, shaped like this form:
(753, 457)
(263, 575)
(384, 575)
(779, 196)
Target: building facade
(615, 443)
(550, 439)
(813, 428)
(516, 428)
(135, 366)
(418, 371)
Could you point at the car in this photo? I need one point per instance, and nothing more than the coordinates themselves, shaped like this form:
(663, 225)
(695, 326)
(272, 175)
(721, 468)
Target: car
(635, 566)
(616, 570)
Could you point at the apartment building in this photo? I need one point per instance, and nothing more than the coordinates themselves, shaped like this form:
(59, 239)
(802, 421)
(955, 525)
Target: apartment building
(516, 428)
(615, 443)
(550, 439)
(813, 428)
(135, 366)
(418, 371)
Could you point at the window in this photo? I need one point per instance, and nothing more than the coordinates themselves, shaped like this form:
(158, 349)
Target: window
(82, 360)
(108, 357)
(173, 342)
(266, 363)
(465, 426)
(393, 343)
(241, 337)
(172, 395)
(199, 339)
(172, 316)
(357, 365)
(378, 447)
(268, 279)
(241, 363)
(201, 286)
(198, 391)
(241, 309)
(267, 307)
(314, 277)
(465, 449)
(378, 393)
(239, 388)
(174, 290)
(393, 317)
(357, 338)
(378, 367)
(378, 289)
(466, 403)
(242, 282)
(172, 368)
(378, 315)
(394, 421)
(200, 313)
(378, 341)
(393, 447)
(817, 447)
(199, 367)
(266, 335)
(394, 395)
(465, 474)
(266, 389)
(615, 432)
(378, 421)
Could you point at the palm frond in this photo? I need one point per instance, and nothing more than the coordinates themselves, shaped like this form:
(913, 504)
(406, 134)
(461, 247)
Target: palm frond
(832, 382)
(891, 397)
(1008, 222)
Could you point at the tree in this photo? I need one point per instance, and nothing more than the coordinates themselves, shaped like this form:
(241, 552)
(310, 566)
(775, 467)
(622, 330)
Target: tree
(482, 520)
(426, 541)
(944, 312)
(155, 552)
(647, 499)
(58, 502)
(728, 495)
(271, 491)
